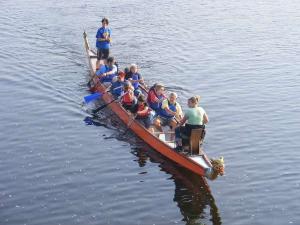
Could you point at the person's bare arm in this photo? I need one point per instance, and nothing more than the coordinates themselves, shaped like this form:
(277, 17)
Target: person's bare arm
(205, 118)
(183, 120)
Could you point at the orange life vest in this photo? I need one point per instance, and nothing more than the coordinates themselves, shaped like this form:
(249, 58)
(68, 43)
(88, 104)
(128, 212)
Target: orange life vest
(128, 98)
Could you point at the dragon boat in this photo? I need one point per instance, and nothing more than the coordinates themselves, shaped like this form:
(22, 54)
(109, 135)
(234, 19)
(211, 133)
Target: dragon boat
(194, 159)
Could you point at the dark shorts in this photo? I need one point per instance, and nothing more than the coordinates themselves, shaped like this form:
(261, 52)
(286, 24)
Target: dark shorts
(165, 121)
(102, 53)
(146, 121)
(185, 131)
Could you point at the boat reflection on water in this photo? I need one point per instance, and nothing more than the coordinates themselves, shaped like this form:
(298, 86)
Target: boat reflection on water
(191, 192)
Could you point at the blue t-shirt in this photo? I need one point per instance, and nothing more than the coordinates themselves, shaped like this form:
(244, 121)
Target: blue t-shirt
(105, 69)
(117, 88)
(134, 76)
(100, 34)
(101, 70)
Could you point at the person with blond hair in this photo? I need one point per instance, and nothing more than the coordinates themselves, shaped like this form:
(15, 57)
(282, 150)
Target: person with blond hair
(135, 78)
(170, 111)
(194, 117)
(129, 100)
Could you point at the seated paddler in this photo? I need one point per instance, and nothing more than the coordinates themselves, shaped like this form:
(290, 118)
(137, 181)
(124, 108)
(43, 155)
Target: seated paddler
(156, 96)
(107, 72)
(194, 117)
(143, 112)
(128, 99)
(135, 78)
(117, 85)
(170, 112)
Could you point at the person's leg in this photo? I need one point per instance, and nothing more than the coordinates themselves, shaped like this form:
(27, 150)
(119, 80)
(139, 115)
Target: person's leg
(105, 53)
(178, 137)
(181, 137)
(172, 124)
(164, 121)
(147, 123)
(99, 57)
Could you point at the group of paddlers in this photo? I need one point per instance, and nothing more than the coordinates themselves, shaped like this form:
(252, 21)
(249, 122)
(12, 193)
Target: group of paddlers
(156, 109)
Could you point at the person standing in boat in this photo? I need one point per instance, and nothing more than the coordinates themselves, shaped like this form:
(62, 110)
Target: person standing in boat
(135, 78)
(103, 40)
(170, 111)
(194, 117)
(107, 72)
(156, 96)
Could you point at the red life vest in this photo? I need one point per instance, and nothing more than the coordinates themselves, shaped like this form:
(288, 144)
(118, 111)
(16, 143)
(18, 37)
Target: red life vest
(142, 108)
(154, 105)
(128, 98)
(151, 90)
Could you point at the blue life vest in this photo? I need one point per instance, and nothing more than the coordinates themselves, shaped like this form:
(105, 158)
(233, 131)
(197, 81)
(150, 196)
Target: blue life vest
(164, 113)
(135, 76)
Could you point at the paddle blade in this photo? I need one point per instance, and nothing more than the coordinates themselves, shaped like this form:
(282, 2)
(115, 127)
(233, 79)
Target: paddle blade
(92, 97)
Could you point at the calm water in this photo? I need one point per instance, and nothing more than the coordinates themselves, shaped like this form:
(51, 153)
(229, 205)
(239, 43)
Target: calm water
(240, 56)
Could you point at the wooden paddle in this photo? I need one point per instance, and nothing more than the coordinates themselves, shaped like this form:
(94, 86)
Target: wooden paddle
(107, 104)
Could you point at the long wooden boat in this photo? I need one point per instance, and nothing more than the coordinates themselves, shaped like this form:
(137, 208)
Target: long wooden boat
(198, 164)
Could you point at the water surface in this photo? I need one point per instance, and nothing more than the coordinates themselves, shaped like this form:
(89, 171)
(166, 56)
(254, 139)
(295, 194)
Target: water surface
(241, 57)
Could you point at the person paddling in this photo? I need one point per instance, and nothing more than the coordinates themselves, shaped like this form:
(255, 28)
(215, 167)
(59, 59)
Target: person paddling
(195, 117)
(143, 112)
(135, 78)
(107, 72)
(156, 96)
(170, 111)
(117, 88)
(103, 41)
(128, 100)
